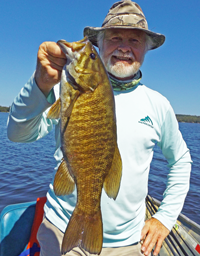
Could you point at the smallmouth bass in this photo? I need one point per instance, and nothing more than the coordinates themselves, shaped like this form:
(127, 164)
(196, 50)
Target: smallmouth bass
(91, 157)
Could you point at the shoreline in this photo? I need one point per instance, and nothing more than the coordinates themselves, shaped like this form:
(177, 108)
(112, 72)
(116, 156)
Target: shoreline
(181, 118)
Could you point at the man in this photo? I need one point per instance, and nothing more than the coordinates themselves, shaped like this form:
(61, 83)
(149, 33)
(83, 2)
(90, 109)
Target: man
(144, 118)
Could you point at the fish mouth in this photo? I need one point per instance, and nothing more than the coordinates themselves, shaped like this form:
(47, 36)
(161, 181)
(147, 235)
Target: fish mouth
(72, 53)
(71, 50)
(67, 50)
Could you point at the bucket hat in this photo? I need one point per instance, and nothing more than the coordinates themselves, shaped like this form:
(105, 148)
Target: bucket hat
(127, 15)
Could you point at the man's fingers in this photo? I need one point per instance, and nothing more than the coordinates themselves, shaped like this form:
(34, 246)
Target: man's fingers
(144, 230)
(158, 246)
(53, 49)
(56, 63)
(148, 248)
(50, 63)
(149, 243)
(153, 233)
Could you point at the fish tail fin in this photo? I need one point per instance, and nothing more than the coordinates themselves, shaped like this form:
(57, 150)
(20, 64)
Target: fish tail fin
(85, 231)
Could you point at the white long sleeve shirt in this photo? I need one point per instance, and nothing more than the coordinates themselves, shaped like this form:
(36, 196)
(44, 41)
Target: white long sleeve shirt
(144, 118)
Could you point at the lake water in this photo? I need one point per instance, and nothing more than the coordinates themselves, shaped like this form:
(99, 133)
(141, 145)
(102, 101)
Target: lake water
(26, 169)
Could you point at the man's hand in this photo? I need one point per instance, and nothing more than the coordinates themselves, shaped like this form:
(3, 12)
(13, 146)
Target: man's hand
(50, 61)
(153, 233)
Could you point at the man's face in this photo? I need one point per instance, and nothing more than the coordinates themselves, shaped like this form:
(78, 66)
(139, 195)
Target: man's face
(122, 52)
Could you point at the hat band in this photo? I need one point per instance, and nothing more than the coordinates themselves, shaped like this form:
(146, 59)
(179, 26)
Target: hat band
(122, 13)
(125, 20)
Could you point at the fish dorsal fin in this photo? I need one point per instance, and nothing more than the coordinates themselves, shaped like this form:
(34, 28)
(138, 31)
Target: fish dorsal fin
(112, 180)
(54, 112)
(63, 182)
(71, 105)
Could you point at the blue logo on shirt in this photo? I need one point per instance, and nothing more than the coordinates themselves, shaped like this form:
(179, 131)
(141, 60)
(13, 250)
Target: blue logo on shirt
(147, 121)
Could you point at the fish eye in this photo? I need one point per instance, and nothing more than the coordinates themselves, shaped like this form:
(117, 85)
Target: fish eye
(92, 56)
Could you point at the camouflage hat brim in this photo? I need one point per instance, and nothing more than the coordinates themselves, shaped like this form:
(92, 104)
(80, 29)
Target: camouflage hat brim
(92, 34)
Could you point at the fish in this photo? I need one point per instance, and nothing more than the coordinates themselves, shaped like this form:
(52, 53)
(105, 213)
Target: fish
(91, 158)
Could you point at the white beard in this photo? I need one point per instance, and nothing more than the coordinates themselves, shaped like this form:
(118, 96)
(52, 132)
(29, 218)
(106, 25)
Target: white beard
(120, 69)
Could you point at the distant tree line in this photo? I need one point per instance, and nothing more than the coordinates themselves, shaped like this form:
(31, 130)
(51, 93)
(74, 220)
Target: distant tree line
(180, 118)
(188, 119)
(4, 109)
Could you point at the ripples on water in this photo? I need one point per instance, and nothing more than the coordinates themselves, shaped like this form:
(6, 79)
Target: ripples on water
(191, 135)
(26, 169)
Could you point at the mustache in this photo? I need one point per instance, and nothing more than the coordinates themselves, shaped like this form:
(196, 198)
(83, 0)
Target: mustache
(120, 54)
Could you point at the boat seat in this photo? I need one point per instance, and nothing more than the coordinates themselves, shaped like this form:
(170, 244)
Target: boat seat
(16, 223)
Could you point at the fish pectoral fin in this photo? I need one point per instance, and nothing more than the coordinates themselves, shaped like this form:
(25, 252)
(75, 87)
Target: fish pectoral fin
(112, 180)
(85, 231)
(54, 112)
(71, 105)
(63, 182)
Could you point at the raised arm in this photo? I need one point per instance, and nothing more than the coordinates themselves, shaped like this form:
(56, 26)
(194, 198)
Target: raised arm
(27, 120)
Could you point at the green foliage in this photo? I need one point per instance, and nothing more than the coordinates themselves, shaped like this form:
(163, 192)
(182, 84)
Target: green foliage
(188, 119)
(4, 109)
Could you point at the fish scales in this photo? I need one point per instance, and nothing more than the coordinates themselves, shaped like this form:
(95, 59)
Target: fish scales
(91, 158)
(89, 152)
(82, 129)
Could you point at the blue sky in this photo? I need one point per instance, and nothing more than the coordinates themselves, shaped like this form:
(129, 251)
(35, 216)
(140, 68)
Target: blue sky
(173, 69)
